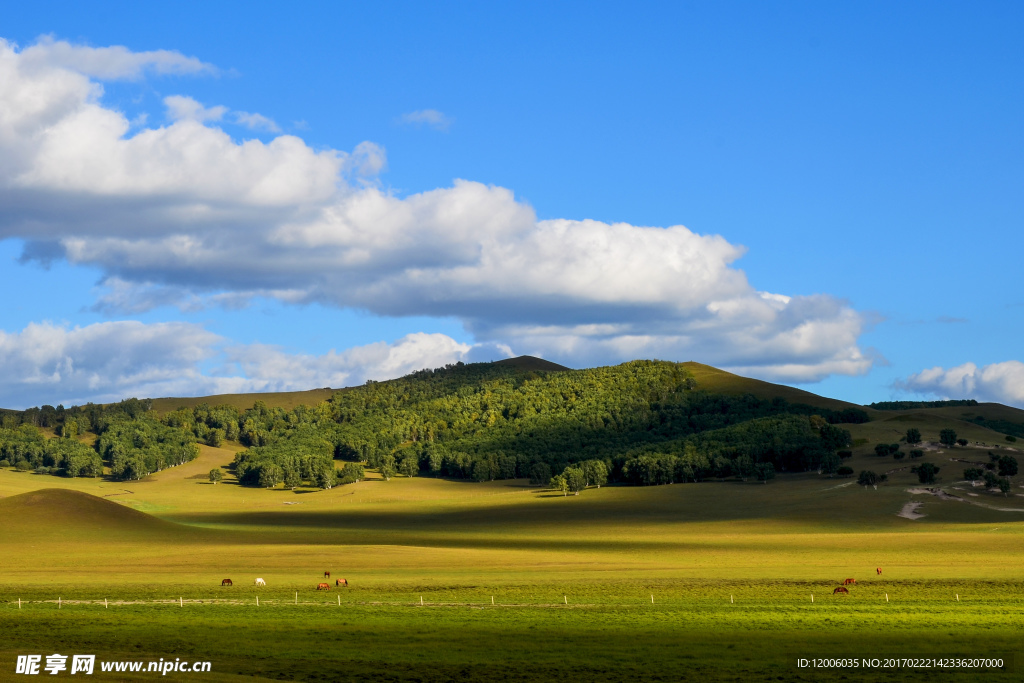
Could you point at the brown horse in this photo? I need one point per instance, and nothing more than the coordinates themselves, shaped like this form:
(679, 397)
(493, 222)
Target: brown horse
(878, 571)
(840, 589)
(226, 582)
(341, 582)
(850, 582)
(323, 586)
(327, 575)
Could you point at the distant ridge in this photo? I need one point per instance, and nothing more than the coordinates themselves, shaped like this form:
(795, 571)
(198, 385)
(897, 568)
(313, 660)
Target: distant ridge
(532, 363)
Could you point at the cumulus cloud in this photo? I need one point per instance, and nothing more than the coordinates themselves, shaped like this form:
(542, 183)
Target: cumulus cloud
(256, 122)
(108, 63)
(427, 117)
(184, 215)
(998, 382)
(181, 108)
(48, 363)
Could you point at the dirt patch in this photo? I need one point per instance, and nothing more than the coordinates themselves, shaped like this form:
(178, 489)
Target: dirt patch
(937, 492)
(910, 511)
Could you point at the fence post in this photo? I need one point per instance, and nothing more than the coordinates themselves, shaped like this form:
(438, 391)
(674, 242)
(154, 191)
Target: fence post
(182, 604)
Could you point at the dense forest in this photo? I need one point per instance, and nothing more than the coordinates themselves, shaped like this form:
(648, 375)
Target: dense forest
(917, 405)
(643, 422)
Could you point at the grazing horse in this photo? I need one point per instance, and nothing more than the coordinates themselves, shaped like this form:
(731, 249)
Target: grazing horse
(840, 589)
(323, 586)
(327, 575)
(341, 582)
(226, 582)
(261, 582)
(849, 582)
(878, 571)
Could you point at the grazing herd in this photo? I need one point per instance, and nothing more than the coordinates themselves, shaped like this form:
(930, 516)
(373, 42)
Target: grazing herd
(843, 590)
(323, 586)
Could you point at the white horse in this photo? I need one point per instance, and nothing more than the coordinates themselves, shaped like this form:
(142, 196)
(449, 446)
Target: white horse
(261, 582)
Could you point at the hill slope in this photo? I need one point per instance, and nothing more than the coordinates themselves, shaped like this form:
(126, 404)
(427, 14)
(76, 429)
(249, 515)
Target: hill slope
(75, 516)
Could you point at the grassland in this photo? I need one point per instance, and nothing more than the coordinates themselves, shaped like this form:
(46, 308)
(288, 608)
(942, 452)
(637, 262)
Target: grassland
(731, 567)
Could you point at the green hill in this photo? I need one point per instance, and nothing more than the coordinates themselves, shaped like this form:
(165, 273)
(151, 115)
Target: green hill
(73, 515)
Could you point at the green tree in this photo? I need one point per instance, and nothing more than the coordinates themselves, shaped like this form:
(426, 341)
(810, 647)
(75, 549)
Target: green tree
(271, 476)
(913, 436)
(764, 471)
(559, 483)
(845, 471)
(387, 467)
(962, 442)
(595, 473)
(409, 465)
(830, 464)
(575, 478)
(540, 474)
(292, 478)
(916, 453)
(1007, 466)
(869, 478)
(947, 437)
(972, 474)
(351, 472)
(926, 472)
(216, 475)
(1004, 485)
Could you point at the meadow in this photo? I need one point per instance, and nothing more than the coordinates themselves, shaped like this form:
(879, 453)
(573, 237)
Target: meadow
(708, 581)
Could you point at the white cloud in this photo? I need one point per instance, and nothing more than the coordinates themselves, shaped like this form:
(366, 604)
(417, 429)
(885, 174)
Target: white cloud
(185, 215)
(109, 63)
(256, 122)
(181, 108)
(48, 363)
(997, 382)
(428, 117)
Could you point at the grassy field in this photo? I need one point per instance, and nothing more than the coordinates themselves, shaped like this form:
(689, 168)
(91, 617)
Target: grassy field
(730, 568)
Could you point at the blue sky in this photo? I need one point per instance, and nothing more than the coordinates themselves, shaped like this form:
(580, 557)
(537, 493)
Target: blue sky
(458, 182)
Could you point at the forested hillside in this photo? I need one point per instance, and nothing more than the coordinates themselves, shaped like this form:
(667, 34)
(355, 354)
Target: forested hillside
(643, 422)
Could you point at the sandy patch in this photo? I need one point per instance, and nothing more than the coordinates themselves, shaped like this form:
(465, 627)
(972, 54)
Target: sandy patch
(910, 511)
(938, 493)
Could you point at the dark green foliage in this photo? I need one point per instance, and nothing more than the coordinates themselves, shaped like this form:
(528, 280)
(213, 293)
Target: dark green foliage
(1004, 485)
(916, 453)
(540, 474)
(140, 446)
(64, 457)
(884, 450)
(926, 472)
(844, 471)
(845, 454)
(973, 474)
(764, 471)
(913, 436)
(869, 478)
(991, 480)
(961, 442)
(216, 475)
(350, 473)
(5, 463)
(947, 437)
(298, 451)
(1012, 429)
(910, 405)
(1007, 466)
(898, 455)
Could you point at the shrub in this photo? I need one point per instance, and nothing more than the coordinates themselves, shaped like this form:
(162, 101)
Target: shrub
(351, 473)
(972, 474)
(1011, 439)
(845, 454)
(926, 472)
(216, 475)
(5, 463)
(898, 455)
(42, 470)
(916, 453)
(947, 437)
(1007, 466)
(844, 471)
(22, 465)
(961, 442)
(913, 435)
